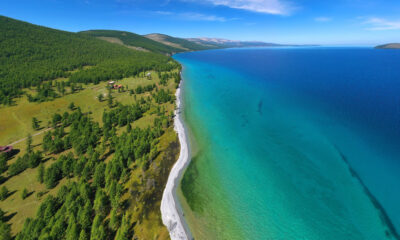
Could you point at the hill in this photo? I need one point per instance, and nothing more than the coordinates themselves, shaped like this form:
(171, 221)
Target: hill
(180, 43)
(132, 40)
(90, 158)
(30, 55)
(226, 43)
(389, 46)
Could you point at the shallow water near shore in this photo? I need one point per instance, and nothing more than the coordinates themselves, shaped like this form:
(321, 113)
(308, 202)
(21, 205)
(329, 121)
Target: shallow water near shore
(293, 143)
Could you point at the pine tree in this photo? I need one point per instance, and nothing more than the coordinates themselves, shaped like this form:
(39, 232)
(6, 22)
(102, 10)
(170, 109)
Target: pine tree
(84, 217)
(72, 232)
(58, 229)
(41, 171)
(63, 88)
(3, 163)
(29, 143)
(123, 231)
(24, 193)
(2, 213)
(100, 202)
(35, 123)
(97, 232)
(83, 235)
(3, 193)
(99, 178)
(114, 220)
(5, 231)
(71, 106)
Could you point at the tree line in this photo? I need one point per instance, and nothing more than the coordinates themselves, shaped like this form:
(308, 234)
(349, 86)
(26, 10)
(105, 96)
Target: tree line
(91, 207)
(31, 55)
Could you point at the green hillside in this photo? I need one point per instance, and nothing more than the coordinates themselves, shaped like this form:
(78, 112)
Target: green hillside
(30, 55)
(133, 40)
(180, 42)
(90, 159)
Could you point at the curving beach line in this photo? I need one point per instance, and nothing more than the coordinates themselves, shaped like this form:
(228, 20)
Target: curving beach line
(170, 208)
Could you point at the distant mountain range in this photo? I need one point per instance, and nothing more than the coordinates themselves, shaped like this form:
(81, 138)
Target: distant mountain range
(389, 46)
(168, 45)
(226, 43)
(133, 40)
(181, 43)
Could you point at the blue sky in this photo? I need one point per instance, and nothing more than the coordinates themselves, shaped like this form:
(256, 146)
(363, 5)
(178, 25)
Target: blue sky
(351, 22)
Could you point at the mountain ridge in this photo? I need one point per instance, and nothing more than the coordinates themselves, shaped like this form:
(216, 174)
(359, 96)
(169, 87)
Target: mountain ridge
(227, 43)
(132, 40)
(181, 43)
(389, 46)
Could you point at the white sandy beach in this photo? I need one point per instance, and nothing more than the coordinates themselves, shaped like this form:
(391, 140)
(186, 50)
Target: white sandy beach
(171, 217)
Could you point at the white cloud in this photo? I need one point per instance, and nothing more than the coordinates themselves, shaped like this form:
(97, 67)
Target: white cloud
(163, 12)
(201, 17)
(193, 16)
(277, 7)
(377, 24)
(322, 19)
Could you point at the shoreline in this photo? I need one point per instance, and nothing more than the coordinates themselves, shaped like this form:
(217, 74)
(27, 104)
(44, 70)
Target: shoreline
(171, 211)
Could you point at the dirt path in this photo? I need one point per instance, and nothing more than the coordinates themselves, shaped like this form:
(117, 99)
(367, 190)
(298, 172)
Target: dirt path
(23, 139)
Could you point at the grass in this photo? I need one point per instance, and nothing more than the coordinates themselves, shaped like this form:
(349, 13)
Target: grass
(15, 124)
(147, 213)
(16, 121)
(20, 208)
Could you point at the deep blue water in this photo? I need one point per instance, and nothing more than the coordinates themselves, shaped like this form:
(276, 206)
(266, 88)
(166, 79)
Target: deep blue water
(299, 114)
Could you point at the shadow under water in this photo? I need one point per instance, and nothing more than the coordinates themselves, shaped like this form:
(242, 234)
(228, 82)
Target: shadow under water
(391, 230)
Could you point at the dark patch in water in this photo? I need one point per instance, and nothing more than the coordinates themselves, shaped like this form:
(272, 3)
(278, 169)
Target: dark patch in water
(245, 120)
(259, 107)
(391, 231)
(210, 76)
(189, 187)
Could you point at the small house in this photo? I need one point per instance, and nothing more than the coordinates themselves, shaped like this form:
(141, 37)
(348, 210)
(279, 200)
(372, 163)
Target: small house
(116, 86)
(148, 75)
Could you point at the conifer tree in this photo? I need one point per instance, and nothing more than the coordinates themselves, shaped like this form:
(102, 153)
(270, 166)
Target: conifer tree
(100, 203)
(3, 163)
(99, 178)
(71, 106)
(72, 232)
(5, 231)
(97, 231)
(24, 193)
(123, 231)
(114, 220)
(83, 235)
(41, 171)
(35, 123)
(3, 193)
(29, 143)
(84, 217)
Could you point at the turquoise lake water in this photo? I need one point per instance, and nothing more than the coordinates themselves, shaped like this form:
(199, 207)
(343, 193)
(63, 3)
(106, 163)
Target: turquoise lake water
(293, 143)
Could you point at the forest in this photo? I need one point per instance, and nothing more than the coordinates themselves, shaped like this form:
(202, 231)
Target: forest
(99, 177)
(91, 207)
(98, 160)
(31, 55)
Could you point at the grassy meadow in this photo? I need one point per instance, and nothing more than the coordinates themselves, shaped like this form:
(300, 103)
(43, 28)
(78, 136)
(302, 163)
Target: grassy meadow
(16, 124)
